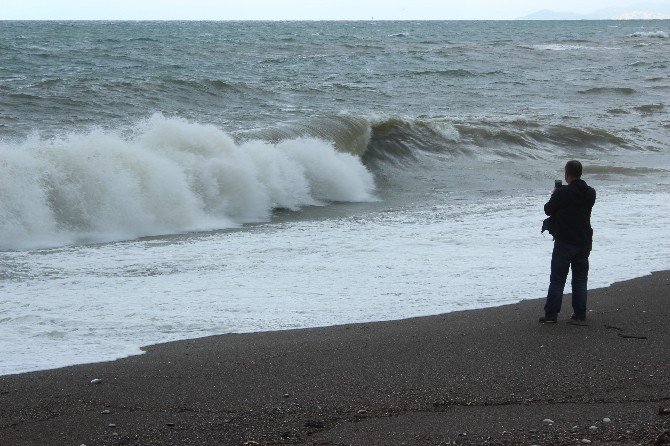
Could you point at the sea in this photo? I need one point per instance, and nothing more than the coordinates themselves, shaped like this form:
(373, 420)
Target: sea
(172, 180)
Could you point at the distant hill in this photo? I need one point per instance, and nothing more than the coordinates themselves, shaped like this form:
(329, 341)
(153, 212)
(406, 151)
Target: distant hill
(640, 11)
(546, 14)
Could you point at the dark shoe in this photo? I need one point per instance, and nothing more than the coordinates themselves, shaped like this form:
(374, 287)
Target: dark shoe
(576, 317)
(548, 319)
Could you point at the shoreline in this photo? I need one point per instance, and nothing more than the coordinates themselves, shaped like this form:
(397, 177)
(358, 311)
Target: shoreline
(424, 380)
(142, 349)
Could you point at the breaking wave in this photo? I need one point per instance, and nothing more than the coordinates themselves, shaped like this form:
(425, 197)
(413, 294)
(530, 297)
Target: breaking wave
(396, 138)
(650, 108)
(652, 34)
(207, 85)
(171, 176)
(609, 90)
(444, 73)
(174, 176)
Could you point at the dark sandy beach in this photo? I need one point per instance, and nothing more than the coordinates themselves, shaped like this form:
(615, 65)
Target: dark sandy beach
(492, 376)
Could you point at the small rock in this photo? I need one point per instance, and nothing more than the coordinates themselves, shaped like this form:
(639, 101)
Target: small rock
(362, 411)
(463, 434)
(286, 395)
(593, 428)
(585, 441)
(547, 420)
(112, 425)
(575, 428)
(106, 412)
(96, 381)
(169, 424)
(607, 420)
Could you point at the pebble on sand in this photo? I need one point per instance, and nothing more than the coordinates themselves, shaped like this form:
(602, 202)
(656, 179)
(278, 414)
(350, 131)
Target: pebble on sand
(593, 428)
(111, 425)
(607, 420)
(547, 420)
(96, 381)
(585, 441)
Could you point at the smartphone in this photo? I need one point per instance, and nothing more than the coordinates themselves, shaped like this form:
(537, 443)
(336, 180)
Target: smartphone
(557, 184)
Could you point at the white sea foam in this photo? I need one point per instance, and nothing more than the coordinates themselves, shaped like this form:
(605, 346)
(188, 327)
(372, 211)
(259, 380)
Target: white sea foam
(172, 176)
(653, 34)
(558, 47)
(91, 303)
(568, 47)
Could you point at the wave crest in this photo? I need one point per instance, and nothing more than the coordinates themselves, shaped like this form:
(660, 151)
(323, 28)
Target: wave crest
(397, 138)
(394, 139)
(652, 34)
(172, 176)
(609, 90)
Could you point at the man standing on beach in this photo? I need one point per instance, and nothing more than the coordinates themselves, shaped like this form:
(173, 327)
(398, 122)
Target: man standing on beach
(569, 209)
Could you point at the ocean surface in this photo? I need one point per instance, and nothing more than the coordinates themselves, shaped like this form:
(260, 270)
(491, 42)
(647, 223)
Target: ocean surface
(170, 180)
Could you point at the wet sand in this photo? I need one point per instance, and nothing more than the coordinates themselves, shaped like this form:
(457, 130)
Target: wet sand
(491, 376)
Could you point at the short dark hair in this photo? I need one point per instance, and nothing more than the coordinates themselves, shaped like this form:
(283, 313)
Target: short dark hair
(573, 168)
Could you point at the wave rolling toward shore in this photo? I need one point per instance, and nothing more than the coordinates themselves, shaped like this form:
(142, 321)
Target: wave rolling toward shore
(171, 176)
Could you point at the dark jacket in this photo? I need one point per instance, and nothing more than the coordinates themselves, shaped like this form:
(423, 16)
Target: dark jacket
(569, 209)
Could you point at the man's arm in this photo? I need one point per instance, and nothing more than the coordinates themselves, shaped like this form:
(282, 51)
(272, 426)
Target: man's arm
(552, 205)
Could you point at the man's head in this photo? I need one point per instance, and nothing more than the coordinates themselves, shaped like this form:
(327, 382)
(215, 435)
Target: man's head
(573, 171)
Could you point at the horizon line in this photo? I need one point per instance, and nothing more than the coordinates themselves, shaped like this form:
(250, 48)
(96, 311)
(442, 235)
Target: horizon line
(520, 19)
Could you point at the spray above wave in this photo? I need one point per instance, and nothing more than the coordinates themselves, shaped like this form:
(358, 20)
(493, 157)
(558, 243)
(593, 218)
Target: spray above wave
(172, 176)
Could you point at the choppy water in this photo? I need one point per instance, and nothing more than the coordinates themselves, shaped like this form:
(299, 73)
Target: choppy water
(284, 175)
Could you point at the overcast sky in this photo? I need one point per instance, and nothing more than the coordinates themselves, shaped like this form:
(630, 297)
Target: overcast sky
(291, 9)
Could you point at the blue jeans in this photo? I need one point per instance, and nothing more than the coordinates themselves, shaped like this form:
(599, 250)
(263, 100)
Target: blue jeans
(565, 256)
